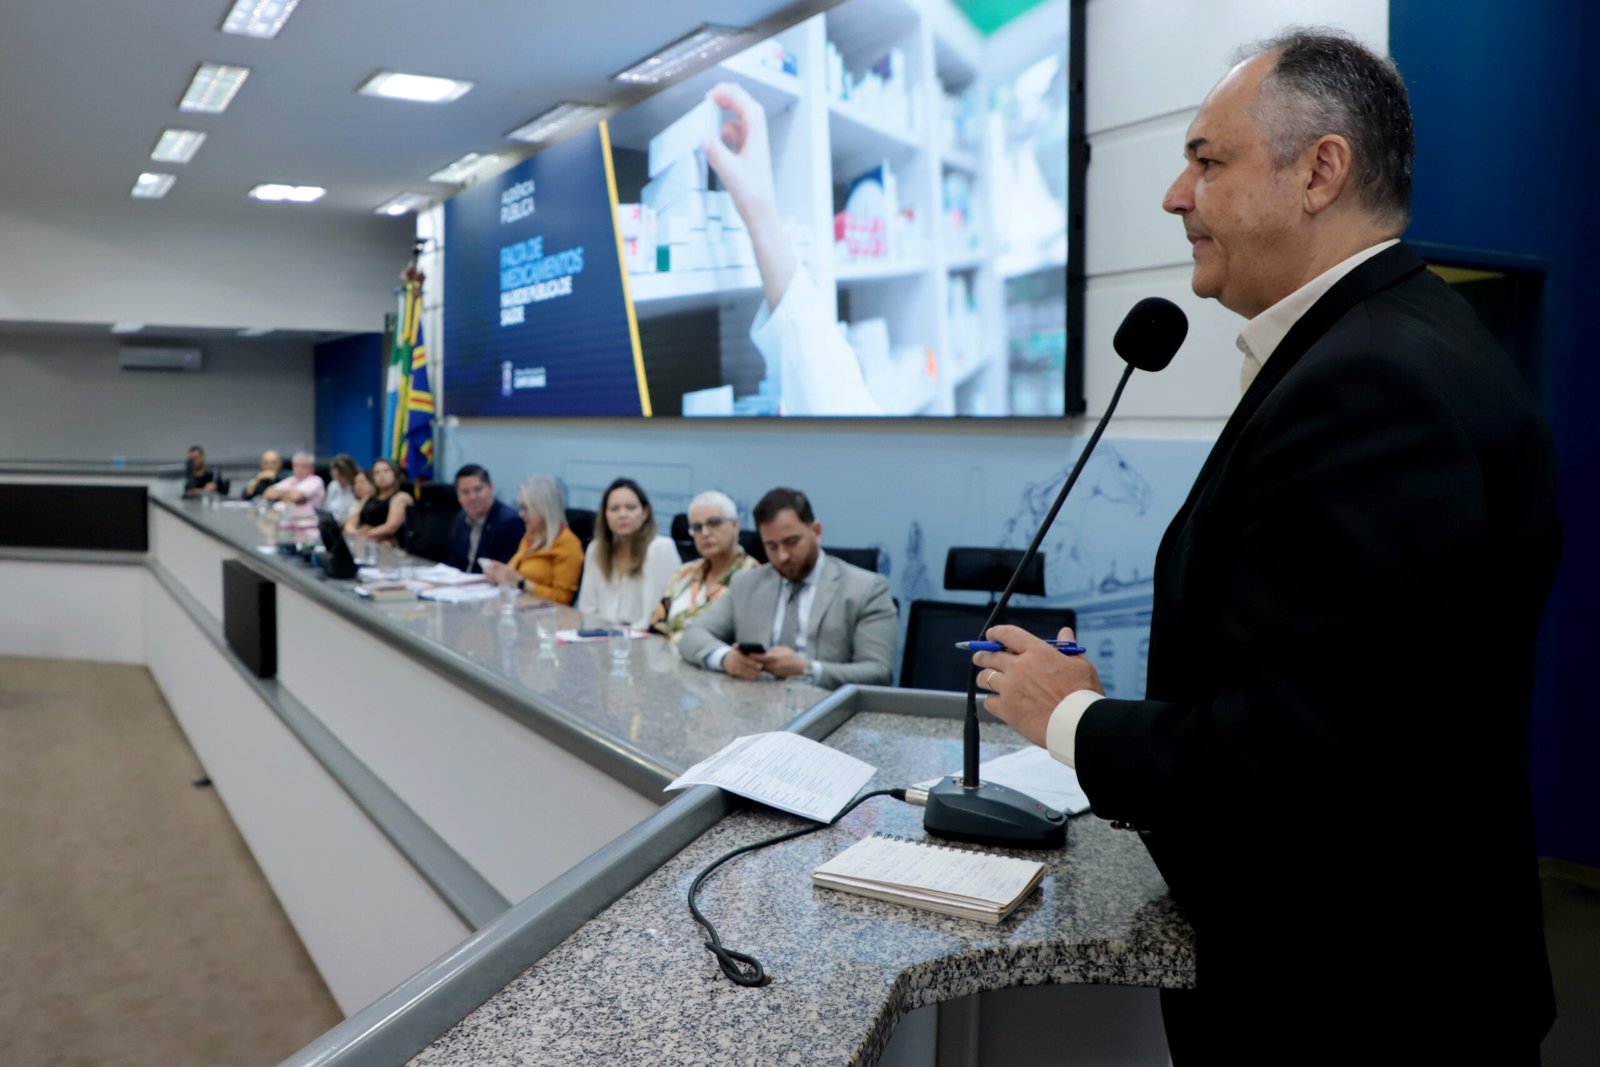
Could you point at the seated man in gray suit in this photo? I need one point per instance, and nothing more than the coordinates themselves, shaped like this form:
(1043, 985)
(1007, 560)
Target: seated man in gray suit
(804, 615)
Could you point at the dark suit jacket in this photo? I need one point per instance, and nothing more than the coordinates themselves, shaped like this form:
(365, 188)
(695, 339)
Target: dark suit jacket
(1331, 764)
(502, 533)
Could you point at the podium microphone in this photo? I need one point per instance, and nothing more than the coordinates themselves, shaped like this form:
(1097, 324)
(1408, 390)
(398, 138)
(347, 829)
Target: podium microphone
(965, 809)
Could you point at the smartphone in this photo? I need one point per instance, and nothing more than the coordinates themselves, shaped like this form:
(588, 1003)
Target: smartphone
(751, 650)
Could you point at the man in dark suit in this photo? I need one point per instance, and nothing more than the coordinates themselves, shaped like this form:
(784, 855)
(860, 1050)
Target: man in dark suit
(803, 615)
(484, 527)
(1330, 766)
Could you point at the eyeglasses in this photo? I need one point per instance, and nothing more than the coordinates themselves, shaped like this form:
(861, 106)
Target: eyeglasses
(709, 524)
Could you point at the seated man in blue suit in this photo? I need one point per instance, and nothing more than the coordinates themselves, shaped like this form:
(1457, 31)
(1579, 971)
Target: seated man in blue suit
(485, 527)
(804, 615)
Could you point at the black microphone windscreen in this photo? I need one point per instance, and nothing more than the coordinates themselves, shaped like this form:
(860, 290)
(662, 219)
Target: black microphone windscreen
(1151, 333)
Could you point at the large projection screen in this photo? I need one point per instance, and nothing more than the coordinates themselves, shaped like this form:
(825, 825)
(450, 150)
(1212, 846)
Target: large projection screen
(870, 214)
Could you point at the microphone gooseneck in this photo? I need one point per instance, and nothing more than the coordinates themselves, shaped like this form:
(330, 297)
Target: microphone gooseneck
(1150, 335)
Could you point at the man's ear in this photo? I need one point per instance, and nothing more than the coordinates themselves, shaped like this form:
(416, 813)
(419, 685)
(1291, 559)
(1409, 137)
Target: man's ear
(1330, 172)
(816, 528)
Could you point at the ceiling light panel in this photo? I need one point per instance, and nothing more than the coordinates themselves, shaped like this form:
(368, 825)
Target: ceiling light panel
(558, 119)
(152, 186)
(465, 168)
(177, 146)
(402, 203)
(418, 88)
(258, 18)
(213, 87)
(297, 194)
(687, 53)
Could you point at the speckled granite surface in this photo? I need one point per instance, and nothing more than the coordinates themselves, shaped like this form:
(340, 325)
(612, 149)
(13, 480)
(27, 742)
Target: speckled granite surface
(635, 985)
(653, 704)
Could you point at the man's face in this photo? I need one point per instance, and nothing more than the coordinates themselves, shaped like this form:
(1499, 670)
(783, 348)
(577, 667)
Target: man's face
(476, 496)
(791, 545)
(714, 533)
(303, 467)
(1241, 215)
(197, 460)
(271, 461)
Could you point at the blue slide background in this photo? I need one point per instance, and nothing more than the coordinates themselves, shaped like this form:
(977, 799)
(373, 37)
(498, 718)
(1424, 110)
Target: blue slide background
(580, 341)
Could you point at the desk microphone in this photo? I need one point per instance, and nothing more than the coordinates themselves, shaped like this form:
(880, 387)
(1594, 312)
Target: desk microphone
(965, 809)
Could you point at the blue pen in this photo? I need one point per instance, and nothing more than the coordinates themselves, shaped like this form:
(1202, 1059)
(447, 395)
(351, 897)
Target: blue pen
(1066, 648)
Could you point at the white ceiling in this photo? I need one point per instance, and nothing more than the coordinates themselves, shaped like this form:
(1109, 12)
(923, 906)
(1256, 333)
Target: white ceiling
(86, 87)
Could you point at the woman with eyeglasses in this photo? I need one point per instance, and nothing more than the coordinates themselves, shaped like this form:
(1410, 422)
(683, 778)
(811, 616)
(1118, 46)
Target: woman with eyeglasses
(628, 563)
(714, 525)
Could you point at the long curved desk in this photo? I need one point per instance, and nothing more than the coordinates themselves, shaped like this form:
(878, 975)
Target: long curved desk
(423, 782)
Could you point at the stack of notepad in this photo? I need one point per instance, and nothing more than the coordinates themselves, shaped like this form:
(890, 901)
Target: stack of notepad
(972, 885)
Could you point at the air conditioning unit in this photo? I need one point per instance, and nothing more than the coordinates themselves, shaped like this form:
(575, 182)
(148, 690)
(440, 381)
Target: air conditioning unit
(150, 357)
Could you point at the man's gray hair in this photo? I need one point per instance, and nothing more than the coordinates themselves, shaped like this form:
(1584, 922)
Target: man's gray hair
(1326, 82)
(542, 495)
(713, 499)
(302, 457)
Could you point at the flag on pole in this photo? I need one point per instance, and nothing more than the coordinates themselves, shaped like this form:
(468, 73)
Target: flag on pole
(408, 412)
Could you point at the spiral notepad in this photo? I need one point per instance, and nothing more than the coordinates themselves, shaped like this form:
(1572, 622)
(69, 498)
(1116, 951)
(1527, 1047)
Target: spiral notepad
(952, 881)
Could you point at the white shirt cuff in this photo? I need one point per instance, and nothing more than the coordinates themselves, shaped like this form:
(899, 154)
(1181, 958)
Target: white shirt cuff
(1061, 735)
(714, 659)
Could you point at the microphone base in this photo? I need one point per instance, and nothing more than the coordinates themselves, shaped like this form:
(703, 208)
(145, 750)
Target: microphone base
(991, 814)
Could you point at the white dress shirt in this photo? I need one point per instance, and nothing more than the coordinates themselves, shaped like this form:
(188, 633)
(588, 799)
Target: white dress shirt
(1258, 339)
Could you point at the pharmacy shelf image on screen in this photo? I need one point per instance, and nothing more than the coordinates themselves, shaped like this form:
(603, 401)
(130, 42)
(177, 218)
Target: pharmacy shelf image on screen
(910, 213)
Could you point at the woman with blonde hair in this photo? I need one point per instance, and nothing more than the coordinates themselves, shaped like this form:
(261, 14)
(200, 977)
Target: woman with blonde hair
(550, 558)
(628, 564)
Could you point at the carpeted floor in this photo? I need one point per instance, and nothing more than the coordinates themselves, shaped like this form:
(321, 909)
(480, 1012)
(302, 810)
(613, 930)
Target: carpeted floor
(135, 927)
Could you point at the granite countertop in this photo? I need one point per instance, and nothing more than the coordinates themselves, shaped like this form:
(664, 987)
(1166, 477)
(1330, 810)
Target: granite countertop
(636, 986)
(654, 706)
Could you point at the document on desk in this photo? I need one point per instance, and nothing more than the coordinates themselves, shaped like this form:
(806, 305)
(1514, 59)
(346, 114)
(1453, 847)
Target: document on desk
(783, 771)
(461, 594)
(1031, 770)
(444, 574)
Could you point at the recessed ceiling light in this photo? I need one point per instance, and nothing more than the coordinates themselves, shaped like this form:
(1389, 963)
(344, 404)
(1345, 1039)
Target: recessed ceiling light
(299, 194)
(212, 87)
(152, 186)
(255, 331)
(465, 168)
(420, 88)
(684, 54)
(559, 118)
(258, 18)
(177, 146)
(401, 203)
(126, 327)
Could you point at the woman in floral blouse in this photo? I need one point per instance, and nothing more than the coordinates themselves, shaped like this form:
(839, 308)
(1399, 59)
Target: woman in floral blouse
(714, 524)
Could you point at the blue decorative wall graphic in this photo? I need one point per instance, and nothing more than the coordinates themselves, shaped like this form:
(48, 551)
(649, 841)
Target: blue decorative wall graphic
(926, 492)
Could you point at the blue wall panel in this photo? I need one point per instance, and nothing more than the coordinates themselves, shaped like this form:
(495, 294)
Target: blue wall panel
(349, 374)
(1506, 108)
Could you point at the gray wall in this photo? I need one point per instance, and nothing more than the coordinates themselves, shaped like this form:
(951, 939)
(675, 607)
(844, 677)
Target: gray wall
(63, 397)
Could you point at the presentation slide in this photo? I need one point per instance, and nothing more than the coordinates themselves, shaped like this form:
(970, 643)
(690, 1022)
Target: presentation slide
(536, 320)
(860, 216)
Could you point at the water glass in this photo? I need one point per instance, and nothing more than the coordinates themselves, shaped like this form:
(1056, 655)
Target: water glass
(621, 645)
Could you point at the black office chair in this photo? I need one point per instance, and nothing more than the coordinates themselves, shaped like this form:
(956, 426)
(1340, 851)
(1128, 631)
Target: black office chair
(751, 542)
(865, 558)
(687, 551)
(430, 521)
(581, 522)
(930, 659)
